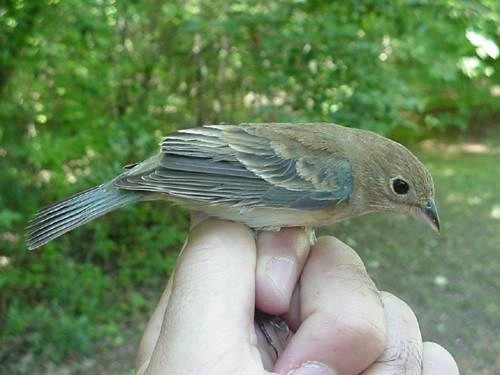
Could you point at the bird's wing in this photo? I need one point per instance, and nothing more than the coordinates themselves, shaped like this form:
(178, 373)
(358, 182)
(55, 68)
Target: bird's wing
(230, 165)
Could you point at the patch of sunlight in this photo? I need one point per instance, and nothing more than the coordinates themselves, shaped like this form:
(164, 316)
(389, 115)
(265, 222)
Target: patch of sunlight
(335, 107)
(313, 66)
(484, 46)
(10, 237)
(448, 172)
(329, 64)
(495, 212)
(90, 152)
(495, 90)
(129, 45)
(45, 175)
(4, 261)
(77, 168)
(169, 109)
(3, 152)
(84, 161)
(32, 130)
(68, 173)
(280, 98)
(454, 148)
(216, 106)
(474, 201)
(41, 118)
(346, 90)
(475, 148)
(11, 22)
(440, 281)
(470, 66)
(253, 99)
(454, 198)
(387, 48)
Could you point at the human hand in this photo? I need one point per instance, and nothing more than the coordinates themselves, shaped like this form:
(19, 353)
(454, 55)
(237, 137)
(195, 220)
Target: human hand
(204, 322)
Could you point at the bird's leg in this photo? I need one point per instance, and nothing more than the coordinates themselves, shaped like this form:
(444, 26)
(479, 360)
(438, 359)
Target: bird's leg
(266, 323)
(274, 228)
(311, 233)
(260, 320)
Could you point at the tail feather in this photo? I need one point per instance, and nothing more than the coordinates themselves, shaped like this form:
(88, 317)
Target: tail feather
(77, 200)
(72, 217)
(74, 211)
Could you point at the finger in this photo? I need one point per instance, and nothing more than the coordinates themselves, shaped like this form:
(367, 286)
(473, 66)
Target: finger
(403, 351)
(210, 311)
(280, 258)
(438, 361)
(342, 319)
(152, 332)
(292, 317)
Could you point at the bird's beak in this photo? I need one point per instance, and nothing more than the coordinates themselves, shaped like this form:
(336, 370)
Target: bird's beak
(429, 215)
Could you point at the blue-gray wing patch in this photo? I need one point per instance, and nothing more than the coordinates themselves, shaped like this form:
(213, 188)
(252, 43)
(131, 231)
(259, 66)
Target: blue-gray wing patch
(227, 165)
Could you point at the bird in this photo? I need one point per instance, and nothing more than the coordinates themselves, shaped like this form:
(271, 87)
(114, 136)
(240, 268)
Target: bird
(267, 176)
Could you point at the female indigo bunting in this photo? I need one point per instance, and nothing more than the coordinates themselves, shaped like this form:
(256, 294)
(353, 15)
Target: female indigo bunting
(263, 175)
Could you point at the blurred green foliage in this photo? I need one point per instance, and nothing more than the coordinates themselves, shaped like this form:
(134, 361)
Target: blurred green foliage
(89, 86)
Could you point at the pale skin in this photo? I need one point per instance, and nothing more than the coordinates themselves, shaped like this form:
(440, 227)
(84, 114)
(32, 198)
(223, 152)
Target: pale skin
(340, 323)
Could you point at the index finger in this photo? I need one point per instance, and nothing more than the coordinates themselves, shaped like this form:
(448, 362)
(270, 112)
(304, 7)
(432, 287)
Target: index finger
(210, 309)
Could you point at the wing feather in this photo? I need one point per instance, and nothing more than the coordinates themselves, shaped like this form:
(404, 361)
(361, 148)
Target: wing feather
(230, 165)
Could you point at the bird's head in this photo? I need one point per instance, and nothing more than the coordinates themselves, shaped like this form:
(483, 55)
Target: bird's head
(400, 183)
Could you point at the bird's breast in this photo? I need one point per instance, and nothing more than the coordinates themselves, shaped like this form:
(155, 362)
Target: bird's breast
(272, 217)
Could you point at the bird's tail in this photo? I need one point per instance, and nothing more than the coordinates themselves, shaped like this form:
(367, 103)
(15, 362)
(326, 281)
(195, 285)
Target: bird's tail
(74, 211)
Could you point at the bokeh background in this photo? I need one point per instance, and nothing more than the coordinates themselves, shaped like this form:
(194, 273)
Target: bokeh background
(87, 86)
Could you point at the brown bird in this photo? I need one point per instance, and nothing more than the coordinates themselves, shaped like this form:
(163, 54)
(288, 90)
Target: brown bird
(264, 175)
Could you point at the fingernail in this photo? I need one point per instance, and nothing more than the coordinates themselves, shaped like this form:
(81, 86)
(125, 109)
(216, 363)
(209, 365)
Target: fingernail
(312, 368)
(282, 272)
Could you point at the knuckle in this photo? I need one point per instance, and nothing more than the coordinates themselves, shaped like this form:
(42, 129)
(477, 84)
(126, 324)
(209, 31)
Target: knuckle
(404, 355)
(357, 330)
(339, 250)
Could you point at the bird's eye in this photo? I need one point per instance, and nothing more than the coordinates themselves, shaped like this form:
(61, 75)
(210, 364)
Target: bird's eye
(400, 186)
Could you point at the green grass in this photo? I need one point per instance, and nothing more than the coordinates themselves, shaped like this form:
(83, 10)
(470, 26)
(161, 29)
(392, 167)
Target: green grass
(451, 280)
